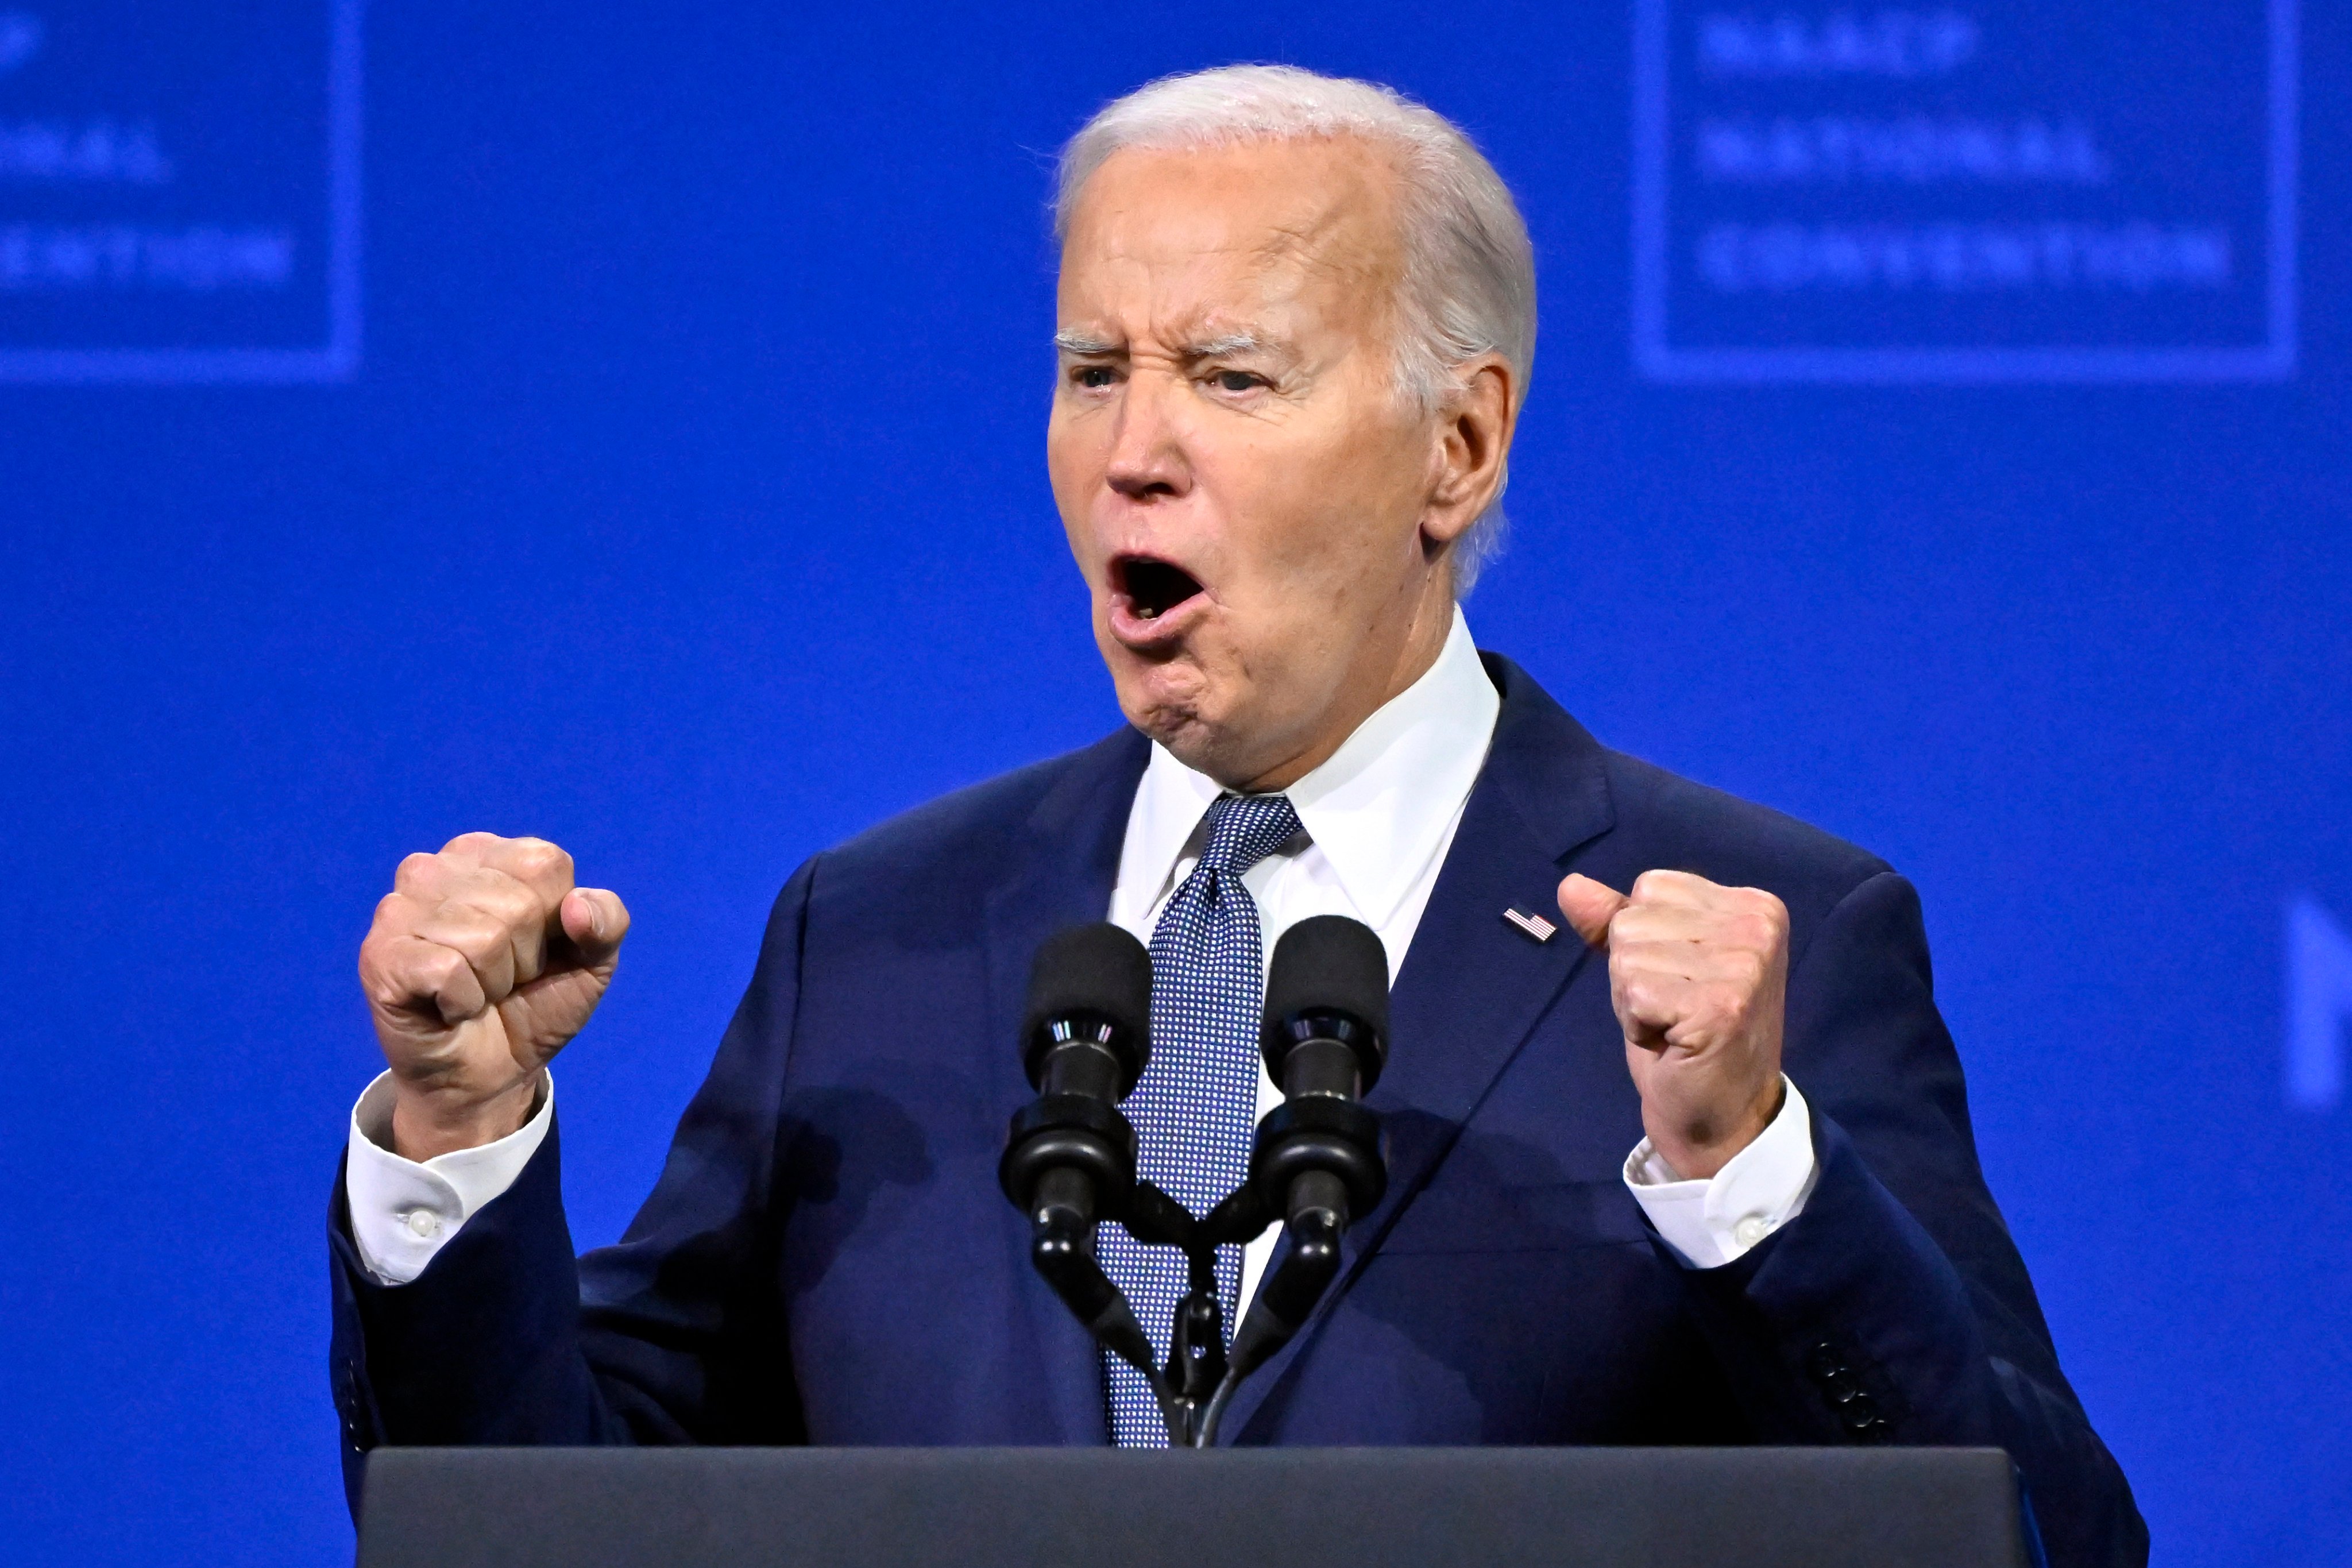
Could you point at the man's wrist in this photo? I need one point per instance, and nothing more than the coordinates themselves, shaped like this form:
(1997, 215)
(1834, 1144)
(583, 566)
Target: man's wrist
(404, 1211)
(1711, 1222)
(428, 1122)
(1697, 1152)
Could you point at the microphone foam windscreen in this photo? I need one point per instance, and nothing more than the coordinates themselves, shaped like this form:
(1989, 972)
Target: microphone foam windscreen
(1330, 964)
(1097, 969)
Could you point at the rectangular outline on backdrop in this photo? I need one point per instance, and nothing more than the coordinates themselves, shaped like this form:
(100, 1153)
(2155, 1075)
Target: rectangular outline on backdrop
(339, 358)
(1657, 359)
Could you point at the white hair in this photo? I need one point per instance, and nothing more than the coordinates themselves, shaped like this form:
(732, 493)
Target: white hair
(1469, 284)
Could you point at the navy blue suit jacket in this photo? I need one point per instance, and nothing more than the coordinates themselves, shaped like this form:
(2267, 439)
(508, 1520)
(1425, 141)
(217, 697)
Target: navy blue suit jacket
(827, 1259)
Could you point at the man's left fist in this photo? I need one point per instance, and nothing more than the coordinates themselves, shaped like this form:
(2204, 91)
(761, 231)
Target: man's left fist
(1699, 975)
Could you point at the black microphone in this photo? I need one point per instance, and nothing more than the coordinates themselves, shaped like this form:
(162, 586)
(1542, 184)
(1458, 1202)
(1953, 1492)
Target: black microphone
(1087, 1027)
(1318, 1161)
(1326, 1040)
(1069, 1155)
(1327, 1009)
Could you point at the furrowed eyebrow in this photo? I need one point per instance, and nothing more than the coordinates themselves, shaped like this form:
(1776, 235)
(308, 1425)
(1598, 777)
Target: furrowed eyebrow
(1084, 345)
(1230, 344)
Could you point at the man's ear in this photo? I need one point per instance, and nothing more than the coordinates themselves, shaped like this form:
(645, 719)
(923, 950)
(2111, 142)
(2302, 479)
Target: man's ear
(1472, 448)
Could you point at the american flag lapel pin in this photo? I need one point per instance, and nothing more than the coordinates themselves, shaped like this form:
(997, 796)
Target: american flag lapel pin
(1534, 926)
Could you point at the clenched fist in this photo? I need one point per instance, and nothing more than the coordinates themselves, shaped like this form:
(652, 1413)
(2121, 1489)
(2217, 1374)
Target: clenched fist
(1699, 975)
(483, 961)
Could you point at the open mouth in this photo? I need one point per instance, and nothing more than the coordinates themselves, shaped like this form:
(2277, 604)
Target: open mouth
(1152, 587)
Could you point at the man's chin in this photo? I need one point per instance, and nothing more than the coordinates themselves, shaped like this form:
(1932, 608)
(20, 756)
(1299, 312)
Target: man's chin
(1213, 746)
(1178, 726)
(1170, 703)
(1196, 719)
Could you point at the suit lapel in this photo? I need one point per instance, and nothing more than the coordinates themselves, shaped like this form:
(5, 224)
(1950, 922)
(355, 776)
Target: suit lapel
(1473, 984)
(1064, 869)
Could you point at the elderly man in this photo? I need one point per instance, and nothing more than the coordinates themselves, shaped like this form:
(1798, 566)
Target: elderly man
(1703, 1177)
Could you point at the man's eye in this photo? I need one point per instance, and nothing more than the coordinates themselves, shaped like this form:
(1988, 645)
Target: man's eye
(1236, 381)
(1095, 375)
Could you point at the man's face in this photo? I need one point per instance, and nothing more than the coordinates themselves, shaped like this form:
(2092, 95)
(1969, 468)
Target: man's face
(1240, 482)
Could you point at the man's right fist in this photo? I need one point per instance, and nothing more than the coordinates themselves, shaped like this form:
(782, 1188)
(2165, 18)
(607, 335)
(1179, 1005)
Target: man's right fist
(483, 961)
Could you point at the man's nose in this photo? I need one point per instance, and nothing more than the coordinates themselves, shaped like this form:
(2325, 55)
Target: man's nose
(1147, 456)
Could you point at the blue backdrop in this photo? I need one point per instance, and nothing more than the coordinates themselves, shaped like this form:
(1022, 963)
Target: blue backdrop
(1939, 431)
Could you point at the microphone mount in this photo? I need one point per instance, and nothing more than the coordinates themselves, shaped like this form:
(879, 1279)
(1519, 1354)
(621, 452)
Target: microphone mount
(1318, 1160)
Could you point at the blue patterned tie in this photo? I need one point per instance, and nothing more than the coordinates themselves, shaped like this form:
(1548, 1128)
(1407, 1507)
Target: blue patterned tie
(1195, 1109)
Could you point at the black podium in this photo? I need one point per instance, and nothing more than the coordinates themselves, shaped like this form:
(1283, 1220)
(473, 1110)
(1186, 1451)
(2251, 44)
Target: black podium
(1259, 1507)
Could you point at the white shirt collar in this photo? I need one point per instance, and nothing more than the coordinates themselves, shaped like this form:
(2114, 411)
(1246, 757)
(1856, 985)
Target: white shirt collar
(1379, 807)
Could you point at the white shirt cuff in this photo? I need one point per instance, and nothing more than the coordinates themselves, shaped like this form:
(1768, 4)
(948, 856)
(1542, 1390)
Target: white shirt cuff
(1762, 1188)
(403, 1212)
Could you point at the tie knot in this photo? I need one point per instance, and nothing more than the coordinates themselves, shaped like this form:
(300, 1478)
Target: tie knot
(1243, 829)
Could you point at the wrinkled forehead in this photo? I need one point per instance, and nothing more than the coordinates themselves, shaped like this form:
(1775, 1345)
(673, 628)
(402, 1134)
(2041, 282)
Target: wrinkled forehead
(1307, 224)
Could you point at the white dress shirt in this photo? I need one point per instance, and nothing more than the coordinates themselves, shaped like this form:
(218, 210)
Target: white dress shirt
(1376, 821)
